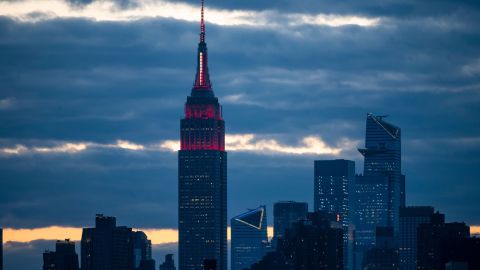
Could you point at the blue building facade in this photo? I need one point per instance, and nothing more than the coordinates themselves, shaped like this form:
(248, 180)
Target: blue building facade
(249, 238)
(333, 190)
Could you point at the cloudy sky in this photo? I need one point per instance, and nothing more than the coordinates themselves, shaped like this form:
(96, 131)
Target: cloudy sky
(91, 93)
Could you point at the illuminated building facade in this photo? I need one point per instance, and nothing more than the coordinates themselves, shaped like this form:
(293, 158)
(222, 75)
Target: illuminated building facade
(333, 190)
(202, 173)
(249, 238)
(382, 154)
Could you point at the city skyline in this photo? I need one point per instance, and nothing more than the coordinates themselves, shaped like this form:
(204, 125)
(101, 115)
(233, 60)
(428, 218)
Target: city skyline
(83, 152)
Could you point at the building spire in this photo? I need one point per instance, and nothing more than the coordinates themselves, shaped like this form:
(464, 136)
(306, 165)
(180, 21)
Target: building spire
(202, 25)
(202, 78)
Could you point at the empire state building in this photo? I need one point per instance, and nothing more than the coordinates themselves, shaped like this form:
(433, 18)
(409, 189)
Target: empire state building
(202, 173)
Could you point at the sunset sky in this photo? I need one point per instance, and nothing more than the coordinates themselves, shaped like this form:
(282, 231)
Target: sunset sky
(91, 94)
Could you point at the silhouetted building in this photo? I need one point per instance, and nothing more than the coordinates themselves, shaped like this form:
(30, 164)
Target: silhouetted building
(249, 238)
(333, 193)
(169, 263)
(312, 243)
(382, 154)
(410, 218)
(371, 200)
(439, 243)
(285, 213)
(108, 247)
(384, 256)
(210, 264)
(142, 251)
(63, 258)
(202, 173)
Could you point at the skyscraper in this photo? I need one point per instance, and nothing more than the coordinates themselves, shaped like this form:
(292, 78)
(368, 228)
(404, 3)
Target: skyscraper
(202, 173)
(379, 190)
(285, 213)
(112, 247)
(371, 200)
(249, 238)
(63, 258)
(333, 191)
(439, 243)
(410, 219)
(382, 154)
(142, 251)
(315, 242)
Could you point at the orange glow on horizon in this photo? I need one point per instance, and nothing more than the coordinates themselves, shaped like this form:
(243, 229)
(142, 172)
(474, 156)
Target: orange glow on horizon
(158, 236)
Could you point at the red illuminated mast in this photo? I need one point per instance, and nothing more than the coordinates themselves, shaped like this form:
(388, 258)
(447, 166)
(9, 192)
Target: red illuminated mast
(202, 78)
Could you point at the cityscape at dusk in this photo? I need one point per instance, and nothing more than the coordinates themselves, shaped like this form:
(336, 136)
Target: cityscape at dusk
(239, 135)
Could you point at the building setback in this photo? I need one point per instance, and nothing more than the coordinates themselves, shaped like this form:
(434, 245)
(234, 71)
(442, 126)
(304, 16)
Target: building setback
(249, 238)
(202, 173)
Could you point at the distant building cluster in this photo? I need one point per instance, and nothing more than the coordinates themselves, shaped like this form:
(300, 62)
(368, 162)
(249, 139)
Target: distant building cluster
(106, 247)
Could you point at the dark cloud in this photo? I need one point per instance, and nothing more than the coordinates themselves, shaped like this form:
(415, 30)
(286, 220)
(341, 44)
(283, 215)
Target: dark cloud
(83, 81)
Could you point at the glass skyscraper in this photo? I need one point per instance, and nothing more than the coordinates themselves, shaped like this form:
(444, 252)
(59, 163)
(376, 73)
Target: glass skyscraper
(379, 192)
(410, 219)
(371, 200)
(382, 154)
(202, 173)
(249, 238)
(333, 190)
(285, 213)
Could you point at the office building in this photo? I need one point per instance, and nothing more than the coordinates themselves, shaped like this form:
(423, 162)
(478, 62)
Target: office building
(384, 256)
(63, 258)
(382, 155)
(410, 218)
(312, 243)
(333, 193)
(285, 213)
(169, 263)
(249, 238)
(439, 243)
(142, 251)
(202, 173)
(111, 247)
(371, 200)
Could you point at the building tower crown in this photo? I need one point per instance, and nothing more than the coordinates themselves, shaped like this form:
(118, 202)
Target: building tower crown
(202, 78)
